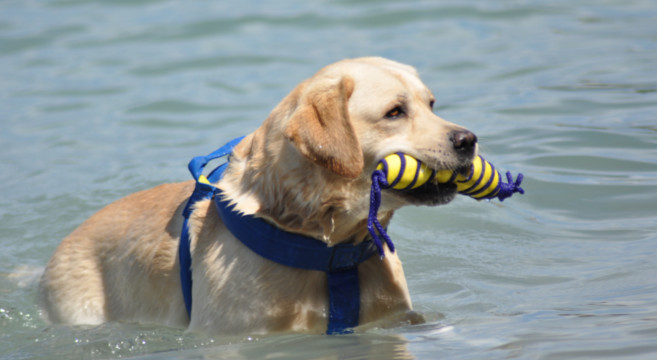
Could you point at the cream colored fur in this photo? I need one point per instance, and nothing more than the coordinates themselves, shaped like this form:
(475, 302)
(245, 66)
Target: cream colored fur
(307, 170)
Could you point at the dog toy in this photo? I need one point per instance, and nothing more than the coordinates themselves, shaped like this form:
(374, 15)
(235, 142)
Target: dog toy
(403, 172)
(482, 181)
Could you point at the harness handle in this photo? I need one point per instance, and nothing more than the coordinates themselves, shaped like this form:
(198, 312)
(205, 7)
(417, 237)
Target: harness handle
(198, 163)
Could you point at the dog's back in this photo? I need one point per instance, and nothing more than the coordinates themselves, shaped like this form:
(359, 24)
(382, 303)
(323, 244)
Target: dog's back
(121, 263)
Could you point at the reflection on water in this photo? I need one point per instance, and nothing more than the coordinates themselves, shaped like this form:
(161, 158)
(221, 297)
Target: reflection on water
(100, 99)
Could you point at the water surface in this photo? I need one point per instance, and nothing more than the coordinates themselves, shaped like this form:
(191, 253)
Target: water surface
(100, 99)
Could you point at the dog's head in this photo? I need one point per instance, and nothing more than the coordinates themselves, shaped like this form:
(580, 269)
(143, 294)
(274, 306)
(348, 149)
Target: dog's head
(322, 143)
(355, 112)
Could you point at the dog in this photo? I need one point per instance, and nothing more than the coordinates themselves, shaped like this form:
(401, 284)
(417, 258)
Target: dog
(305, 170)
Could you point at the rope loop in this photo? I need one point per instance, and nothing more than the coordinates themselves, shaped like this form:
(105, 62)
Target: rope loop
(373, 225)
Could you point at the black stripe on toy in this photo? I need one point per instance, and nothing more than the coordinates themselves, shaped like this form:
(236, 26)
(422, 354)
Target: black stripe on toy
(483, 172)
(402, 168)
(417, 174)
(487, 186)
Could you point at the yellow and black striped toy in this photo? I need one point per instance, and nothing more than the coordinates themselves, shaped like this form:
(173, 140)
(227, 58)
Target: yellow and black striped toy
(483, 181)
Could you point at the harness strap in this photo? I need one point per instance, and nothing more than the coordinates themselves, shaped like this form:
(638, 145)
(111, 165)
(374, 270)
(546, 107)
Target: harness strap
(340, 262)
(202, 190)
(344, 300)
(288, 248)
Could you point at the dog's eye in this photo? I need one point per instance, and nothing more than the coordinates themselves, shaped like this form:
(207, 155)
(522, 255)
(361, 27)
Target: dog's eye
(395, 113)
(431, 103)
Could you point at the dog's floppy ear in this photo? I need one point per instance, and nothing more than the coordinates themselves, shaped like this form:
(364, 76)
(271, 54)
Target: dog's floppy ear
(321, 130)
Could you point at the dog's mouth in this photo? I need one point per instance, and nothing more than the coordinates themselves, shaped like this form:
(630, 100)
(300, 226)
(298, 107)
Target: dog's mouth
(431, 193)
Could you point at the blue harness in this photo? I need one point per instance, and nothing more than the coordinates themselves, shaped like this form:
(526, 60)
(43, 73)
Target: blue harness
(340, 262)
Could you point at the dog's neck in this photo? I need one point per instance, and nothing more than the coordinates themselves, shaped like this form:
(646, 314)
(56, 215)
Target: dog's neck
(268, 178)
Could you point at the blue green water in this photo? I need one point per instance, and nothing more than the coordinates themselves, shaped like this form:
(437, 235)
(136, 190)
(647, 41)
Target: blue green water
(99, 99)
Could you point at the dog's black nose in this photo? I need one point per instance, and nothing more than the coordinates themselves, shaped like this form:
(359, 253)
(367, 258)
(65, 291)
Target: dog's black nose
(463, 140)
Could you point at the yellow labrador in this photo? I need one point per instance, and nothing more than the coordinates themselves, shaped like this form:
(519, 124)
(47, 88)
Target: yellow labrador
(305, 170)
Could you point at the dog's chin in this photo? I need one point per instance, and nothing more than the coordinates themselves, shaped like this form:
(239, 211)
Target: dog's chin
(429, 194)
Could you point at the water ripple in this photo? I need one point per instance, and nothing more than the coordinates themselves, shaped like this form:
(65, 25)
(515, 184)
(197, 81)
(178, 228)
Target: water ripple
(183, 107)
(16, 44)
(104, 98)
(210, 63)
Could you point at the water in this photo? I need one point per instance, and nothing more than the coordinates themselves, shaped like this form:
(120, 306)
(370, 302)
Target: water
(99, 99)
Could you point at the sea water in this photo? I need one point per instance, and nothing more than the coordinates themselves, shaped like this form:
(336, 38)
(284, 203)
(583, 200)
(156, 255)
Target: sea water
(99, 99)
